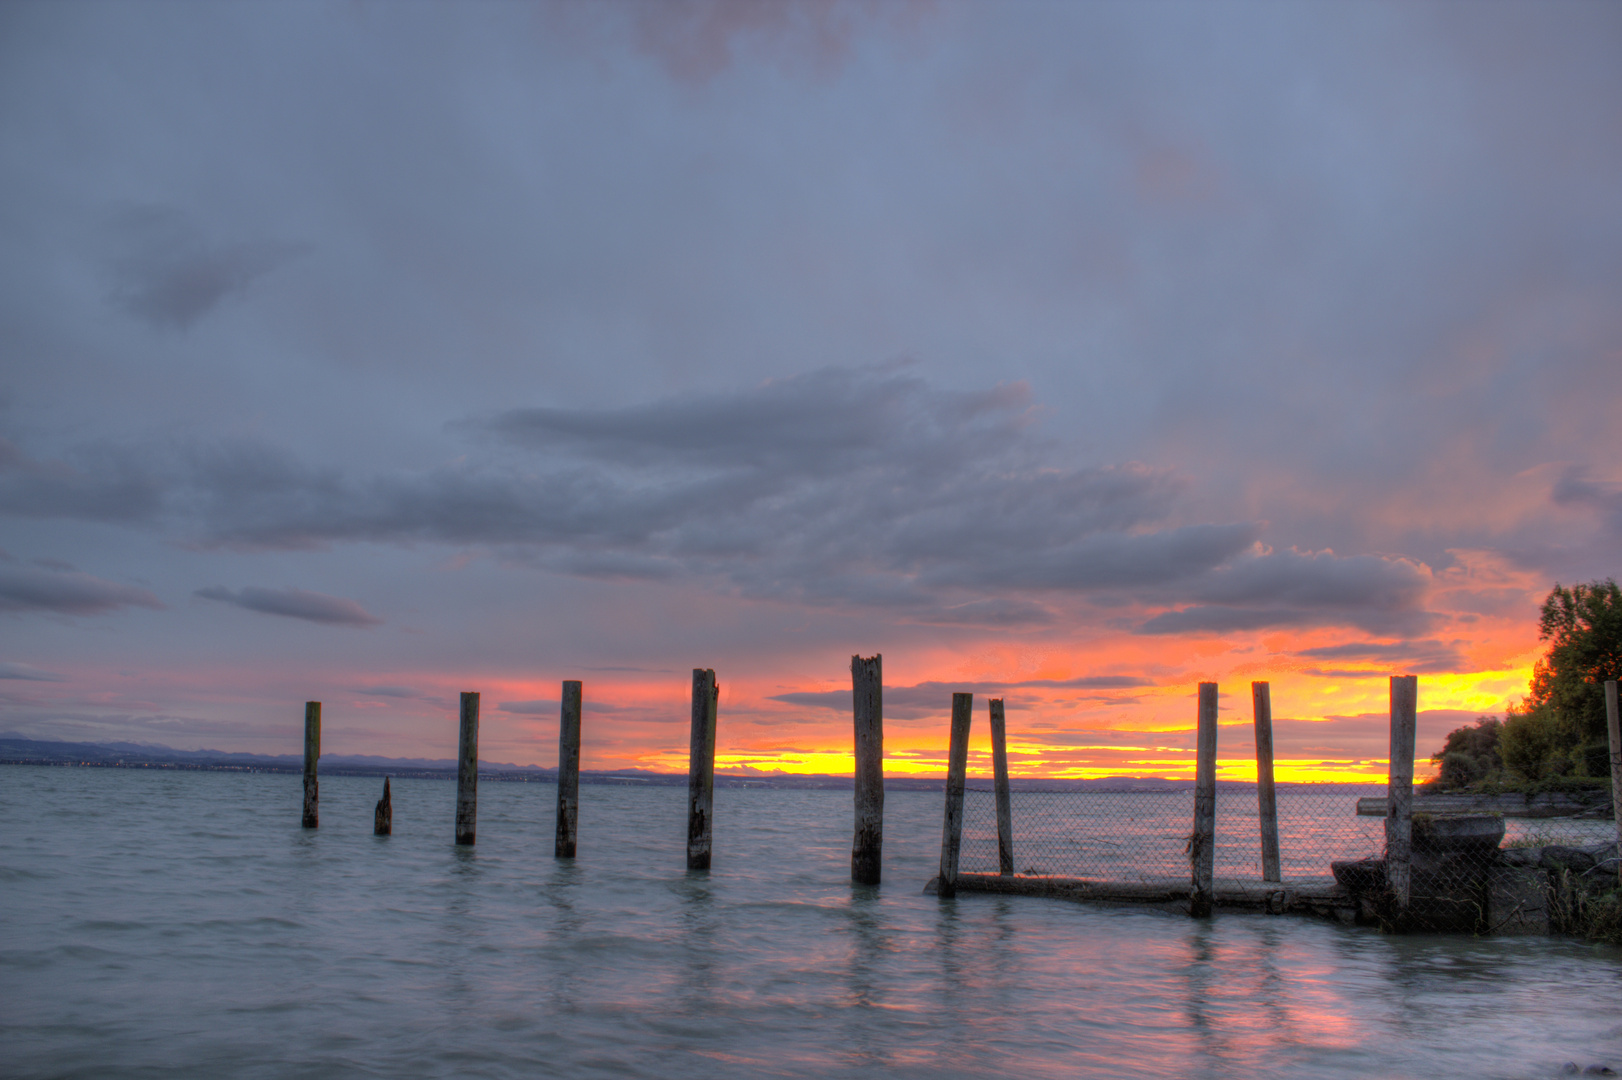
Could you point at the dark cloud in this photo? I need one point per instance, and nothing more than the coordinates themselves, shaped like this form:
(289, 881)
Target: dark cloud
(1427, 656)
(103, 484)
(167, 273)
(923, 699)
(387, 691)
(294, 603)
(28, 673)
(66, 593)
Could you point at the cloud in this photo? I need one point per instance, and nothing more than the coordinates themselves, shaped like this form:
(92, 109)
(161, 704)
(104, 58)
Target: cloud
(922, 699)
(28, 673)
(294, 603)
(165, 272)
(67, 593)
(387, 691)
(107, 484)
(1423, 657)
(838, 488)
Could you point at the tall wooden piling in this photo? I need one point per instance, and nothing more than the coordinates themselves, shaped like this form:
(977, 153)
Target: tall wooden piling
(957, 770)
(1202, 843)
(383, 816)
(1614, 724)
(701, 768)
(1261, 702)
(312, 754)
(867, 699)
(1399, 827)
(999, 773)
(568, 770)
(467, 771)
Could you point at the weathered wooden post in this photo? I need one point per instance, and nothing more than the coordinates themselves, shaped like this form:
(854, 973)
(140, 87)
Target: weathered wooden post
(1261, 702)
(1615, 725)
(383, 817)
(957, 770)
(1399, 827)
(701, 768)
(867, 693)
(1202, 844)
(568, 770)
(467, 771)
(999, 773)
(312, 753)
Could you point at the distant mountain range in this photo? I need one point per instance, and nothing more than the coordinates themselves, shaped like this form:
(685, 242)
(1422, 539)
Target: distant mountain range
(17, 750)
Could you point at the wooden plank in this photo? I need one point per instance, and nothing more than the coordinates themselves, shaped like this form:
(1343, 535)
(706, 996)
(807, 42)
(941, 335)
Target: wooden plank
(701, 768)
(1614, 725)
(867, 695)
(1202, 843)
(1321, 896)
(1400, 789)
(1261, 701)
(383, 816)
(957, 767)
(467, 771)
(312, 754)
(999, 771)
(568, 771)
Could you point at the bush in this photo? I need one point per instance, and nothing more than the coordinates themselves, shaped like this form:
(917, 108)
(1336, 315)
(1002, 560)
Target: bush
(1535, 745)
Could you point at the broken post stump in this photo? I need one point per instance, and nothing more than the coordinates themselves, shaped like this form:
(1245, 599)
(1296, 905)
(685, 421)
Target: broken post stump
(467, 771)
(383, 818)
(312, 754)
(957, 767)
(867, 693)
(1261, 701)
(999, 772)
(1202, 843)
(568, 770)
(701, 768)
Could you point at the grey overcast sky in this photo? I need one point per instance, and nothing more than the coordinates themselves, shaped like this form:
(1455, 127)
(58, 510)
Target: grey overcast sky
(370, 352)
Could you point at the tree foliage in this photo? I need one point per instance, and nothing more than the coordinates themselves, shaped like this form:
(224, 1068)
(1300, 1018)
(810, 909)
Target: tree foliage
(1559, 729)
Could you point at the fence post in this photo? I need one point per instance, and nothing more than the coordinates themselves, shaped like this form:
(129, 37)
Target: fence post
(957, 768)
(1261, 701)
(701, 768)
(1615, 725)
(383, 816)
(312, 753)
(1202, 845)
(1400, 791)
(999, 772)
(467, 770)
(867, 693)
(568, 770)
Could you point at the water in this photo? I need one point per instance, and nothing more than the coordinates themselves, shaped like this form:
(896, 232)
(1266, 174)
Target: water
(182, 924)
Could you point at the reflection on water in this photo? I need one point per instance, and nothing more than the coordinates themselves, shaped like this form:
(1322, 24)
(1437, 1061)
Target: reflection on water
(185, 925)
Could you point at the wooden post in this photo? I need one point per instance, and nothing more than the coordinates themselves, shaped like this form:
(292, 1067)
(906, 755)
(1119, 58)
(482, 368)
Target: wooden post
(1261, 702)
(999, 772)
(383, 817)
(701, 768)
(568, 771)
(467, 771)
(1615, 725)
(867, 692)
(312, 753)
(957, 769)
(1202, 844)
(1399, 827)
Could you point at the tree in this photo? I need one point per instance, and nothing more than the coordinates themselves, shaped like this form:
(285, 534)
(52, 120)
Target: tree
(1583, 626)
(1469, 754)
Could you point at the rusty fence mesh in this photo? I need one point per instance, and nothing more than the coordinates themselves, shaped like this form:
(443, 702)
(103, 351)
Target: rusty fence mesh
(1130, 833)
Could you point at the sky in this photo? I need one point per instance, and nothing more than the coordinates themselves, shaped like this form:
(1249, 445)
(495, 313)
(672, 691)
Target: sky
(1073, 354)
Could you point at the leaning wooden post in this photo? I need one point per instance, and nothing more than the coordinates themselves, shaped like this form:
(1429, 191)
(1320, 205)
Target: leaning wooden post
(957, 770)
(312, 753)
(1399, 827)
(701, 768)
(1615, 725)
(867, 692)
(568, 770)
(383, 816)
(467, 771)
(1202, 845)
(999, 772)
(1261, 702)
